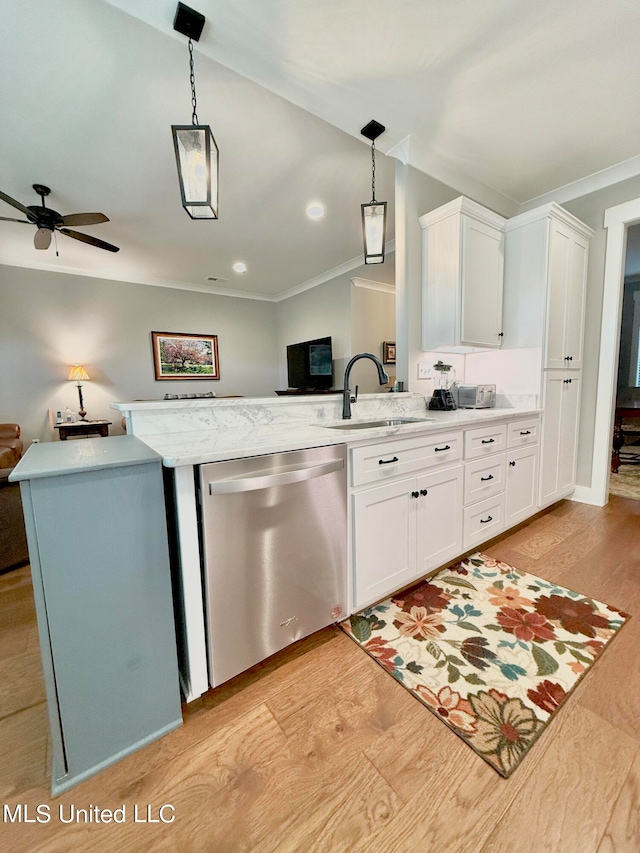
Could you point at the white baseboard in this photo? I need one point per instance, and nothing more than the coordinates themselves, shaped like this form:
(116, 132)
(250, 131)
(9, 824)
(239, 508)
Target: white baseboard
(586, 495)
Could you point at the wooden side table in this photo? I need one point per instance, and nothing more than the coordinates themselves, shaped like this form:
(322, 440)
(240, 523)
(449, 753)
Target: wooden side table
(83, 428)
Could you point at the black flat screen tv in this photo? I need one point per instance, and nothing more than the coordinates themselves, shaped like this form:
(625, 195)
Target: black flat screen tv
(310, 365)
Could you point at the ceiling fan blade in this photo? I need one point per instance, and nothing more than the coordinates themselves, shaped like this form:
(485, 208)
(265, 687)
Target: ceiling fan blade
(42, 240)
(16, 204)
(92, 241)
(84, 219)
(9, 219)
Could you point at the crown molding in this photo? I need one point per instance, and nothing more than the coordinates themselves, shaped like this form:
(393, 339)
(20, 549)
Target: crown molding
(367, 283)
(545, 211)
(591, 183)
(466, 206)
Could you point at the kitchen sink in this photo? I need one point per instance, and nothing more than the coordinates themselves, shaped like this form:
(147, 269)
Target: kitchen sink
(385, 422)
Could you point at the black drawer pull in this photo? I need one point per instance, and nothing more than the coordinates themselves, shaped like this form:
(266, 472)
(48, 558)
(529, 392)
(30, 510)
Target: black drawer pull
(387, 461)
(446, 447)
(486, 520)
(423, 492)
(566, 381)
(415, 494)
(483, 479)
(525, 432)
(568, 358)
(488, 440)
(513, 464)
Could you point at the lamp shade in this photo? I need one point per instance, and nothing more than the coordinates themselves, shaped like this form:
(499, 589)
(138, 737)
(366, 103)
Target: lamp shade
(197, 161)
(374, 222)
(78, 374)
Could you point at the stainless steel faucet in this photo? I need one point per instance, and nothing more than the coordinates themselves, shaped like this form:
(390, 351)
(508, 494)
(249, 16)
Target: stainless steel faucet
(347, 399)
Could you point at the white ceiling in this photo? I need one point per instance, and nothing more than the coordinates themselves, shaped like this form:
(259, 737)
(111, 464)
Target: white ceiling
(522, 97)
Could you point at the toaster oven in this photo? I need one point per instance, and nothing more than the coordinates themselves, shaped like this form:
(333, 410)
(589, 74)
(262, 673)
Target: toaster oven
(475, 396)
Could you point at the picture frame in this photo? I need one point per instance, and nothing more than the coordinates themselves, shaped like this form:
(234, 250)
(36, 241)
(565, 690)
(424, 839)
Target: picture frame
(388, 352)
(182, 355)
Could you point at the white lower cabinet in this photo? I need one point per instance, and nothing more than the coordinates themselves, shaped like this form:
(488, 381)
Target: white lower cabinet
(403, 529)
(407, 526)
(522, 481)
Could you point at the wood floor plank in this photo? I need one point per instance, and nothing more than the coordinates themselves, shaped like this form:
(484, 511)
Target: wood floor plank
(571, 814)
(22, 680)
(623, 830)
(23, 751)
(319, 749)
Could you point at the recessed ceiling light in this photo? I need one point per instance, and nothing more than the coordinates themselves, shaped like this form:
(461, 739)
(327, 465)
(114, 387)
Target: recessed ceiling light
(315, 210)
(240, 267)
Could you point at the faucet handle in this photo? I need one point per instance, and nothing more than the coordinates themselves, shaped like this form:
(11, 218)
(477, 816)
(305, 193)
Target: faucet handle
(353, 399)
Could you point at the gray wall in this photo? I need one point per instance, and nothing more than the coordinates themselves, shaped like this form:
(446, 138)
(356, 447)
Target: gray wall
(590, 209)
(331, 309)
(49, 321)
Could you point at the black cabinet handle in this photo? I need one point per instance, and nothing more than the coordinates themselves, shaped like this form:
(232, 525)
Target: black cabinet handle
(566, 381)
(446, 447)
(525, 432)
(387, 461)
(415, 494)
(423, 492)
(488, 440)
(501, 334)
(513, 464)
(486, 520)
(490, 477)
(568, 358)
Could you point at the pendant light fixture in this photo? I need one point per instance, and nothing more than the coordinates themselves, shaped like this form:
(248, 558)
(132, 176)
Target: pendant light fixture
(195, 148)
(374, 214)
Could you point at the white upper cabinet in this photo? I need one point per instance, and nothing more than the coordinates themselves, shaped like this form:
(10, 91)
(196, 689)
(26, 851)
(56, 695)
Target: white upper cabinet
(462, 277)
(546, 255)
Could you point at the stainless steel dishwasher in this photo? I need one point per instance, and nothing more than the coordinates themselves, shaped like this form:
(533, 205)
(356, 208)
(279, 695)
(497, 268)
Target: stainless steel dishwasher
(274, 532)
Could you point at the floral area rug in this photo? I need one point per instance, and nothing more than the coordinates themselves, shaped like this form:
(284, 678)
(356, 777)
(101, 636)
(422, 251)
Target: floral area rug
(493, 651)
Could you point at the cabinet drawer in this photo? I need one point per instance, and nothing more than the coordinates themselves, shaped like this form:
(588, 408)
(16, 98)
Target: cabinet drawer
(523, 432)
(484, 478)
(483, 520)
(484, 440)
(377, 462)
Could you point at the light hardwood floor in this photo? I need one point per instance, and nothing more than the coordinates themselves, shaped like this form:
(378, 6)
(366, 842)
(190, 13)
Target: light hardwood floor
(320, 750)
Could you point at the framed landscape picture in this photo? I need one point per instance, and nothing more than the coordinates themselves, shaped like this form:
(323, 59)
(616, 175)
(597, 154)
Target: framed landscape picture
(388, 352)
(185, 356)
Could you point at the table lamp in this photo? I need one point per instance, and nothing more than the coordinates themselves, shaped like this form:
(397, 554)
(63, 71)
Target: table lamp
(79, 374)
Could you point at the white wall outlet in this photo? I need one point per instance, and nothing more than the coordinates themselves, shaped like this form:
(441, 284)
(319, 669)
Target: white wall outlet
(423, 370)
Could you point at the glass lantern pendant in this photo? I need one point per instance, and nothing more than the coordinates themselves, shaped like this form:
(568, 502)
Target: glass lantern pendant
(197, 160)
(374, 214)
(194, 144)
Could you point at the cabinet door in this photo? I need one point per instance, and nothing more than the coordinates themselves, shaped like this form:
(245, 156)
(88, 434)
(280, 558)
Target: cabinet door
(567, 280)
(559, 435)
(522, 492)
(571, 386)
(551, 432)
(575, 302)
(482, 284)
(439, 518)
(384, 539)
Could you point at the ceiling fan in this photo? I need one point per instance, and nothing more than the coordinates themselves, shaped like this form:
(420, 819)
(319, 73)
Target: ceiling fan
(47, 221)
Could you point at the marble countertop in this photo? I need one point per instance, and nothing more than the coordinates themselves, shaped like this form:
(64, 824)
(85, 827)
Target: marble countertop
(50, 458)
(214, 445)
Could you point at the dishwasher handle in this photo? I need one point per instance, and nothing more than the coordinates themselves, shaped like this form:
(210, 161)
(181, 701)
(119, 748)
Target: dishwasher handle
(268, 481)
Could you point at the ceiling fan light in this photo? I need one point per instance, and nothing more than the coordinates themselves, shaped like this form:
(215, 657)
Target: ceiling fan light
(42, 240)
(374, 223)
(197, 161)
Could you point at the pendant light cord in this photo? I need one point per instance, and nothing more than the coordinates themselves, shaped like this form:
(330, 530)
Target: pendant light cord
(373, 171)
(192, 77)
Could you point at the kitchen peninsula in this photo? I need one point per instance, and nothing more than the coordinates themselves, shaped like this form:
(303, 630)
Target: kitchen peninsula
(452, 448)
